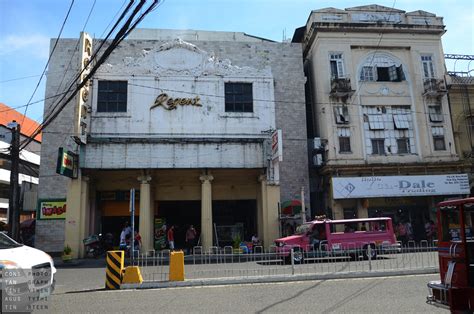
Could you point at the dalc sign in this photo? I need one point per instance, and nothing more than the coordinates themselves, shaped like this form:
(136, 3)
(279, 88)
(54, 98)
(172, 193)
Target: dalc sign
(67, 164)
(399, 186)
(51, 209)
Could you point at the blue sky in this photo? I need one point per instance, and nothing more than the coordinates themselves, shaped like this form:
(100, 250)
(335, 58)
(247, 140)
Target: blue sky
(27, 25)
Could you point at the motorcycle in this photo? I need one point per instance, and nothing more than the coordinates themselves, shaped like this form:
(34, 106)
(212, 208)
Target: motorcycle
(95, 245)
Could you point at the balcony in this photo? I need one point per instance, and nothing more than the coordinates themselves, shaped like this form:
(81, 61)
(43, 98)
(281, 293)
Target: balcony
(341, 88)
(434, 87)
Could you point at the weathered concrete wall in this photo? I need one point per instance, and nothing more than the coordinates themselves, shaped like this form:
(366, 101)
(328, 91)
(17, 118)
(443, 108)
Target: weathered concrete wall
(276, 69)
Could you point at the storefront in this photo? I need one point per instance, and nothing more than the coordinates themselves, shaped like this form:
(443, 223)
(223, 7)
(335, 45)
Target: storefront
(403, 198)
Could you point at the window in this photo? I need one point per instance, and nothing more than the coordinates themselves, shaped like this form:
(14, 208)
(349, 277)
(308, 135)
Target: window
(401, 121)
(438, 137)
(367, 73)
(337, 66)
(435, 113)
(381, 68)
(470, 125)
(390, 74)
(112, 96)
(403, 145)
(378, 146)
(376, 122)
(341, 114)
(238, 97)
(428, 68)
(344, 135)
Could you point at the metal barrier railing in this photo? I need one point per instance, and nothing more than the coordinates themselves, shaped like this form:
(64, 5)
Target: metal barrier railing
(230, 262)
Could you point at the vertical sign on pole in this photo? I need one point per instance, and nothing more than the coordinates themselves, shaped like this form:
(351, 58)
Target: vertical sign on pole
(132, 213)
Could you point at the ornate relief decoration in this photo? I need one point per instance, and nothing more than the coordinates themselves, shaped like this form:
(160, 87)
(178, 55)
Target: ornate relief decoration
(178, 58)
(385, 91)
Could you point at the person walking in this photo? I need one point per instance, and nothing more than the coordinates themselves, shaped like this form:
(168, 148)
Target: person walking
(402, 233)
(190, 239)
(170, 237)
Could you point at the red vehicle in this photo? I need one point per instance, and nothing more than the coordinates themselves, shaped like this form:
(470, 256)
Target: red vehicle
(349, 237)
(455, 290)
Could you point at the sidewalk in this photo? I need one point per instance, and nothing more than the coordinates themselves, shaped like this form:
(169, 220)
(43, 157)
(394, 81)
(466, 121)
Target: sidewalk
(80, 263)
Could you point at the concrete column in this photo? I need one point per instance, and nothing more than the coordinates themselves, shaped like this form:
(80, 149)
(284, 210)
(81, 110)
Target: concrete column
(76, 226)
(270, 197)
(146, 208)
(206, 211)
(260, 221)
(338, 213)
(362, 208)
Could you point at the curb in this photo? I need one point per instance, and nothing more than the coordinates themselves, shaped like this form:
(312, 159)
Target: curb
(273, 279)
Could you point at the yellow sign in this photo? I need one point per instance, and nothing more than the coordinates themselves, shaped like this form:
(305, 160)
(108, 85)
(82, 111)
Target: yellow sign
(52, 209)
(172, 103)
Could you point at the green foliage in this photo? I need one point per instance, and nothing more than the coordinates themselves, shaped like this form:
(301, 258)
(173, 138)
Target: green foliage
(67, 250)
(236, 241)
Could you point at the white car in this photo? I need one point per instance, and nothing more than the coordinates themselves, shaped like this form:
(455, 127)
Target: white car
(27, 275)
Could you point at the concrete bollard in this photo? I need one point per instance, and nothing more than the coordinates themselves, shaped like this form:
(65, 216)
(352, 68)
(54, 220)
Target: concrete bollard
(113, 270)
(176, 266)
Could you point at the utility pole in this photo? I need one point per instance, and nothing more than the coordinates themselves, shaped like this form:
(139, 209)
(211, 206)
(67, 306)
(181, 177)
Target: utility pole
(303, 209)
(14, 200)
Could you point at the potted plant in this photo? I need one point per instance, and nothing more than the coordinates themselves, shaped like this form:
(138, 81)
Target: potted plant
(67, 257)
(236, 244)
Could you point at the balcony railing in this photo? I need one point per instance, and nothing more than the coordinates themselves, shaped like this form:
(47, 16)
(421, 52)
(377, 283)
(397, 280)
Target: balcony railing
(341, 88)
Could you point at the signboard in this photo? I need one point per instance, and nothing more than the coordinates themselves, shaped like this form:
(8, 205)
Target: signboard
(277, 145)
(67, 163)
(49, 209)
(393, 186)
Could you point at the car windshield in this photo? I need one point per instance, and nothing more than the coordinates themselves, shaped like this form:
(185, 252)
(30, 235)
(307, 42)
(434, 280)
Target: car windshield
(303, 229)
(7, 242)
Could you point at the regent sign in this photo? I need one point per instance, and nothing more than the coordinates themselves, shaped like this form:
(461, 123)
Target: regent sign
(393, 186)
(172, 103)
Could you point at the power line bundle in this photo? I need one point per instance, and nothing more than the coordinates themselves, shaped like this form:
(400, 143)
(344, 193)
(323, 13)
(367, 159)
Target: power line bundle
(131, 22)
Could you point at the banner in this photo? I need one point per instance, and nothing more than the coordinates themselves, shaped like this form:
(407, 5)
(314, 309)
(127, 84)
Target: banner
(393, 186)
(51, 209)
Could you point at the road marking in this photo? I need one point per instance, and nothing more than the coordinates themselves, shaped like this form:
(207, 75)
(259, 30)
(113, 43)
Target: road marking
(268, 283)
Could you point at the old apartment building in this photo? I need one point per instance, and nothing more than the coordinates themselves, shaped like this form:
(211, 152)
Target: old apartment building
(378, 113)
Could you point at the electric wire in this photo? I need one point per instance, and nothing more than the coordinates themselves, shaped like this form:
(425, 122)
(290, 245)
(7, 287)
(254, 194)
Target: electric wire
(49, 58)
(125, 29)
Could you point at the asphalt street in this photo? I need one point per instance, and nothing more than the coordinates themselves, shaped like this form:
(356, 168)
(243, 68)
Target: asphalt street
(405, 294)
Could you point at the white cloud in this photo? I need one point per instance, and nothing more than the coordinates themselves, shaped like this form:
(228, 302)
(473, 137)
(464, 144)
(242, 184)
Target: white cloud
(35, 45)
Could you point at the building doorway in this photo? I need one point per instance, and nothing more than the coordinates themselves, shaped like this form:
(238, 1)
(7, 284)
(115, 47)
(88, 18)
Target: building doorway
(181, 214)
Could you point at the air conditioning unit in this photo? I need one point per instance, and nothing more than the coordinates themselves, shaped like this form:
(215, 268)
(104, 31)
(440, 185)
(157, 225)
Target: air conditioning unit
(317, 143)
(318, 160)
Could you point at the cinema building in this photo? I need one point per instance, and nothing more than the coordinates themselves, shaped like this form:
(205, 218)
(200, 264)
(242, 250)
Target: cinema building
(378, 114)
(207, 127)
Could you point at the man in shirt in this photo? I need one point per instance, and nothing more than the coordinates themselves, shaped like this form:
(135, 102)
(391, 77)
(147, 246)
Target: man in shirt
(171, 237)
(190, 238)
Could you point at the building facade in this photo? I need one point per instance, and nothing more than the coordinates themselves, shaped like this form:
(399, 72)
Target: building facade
(461, 101)
(189, 119)
(378, 111)
(28, 164)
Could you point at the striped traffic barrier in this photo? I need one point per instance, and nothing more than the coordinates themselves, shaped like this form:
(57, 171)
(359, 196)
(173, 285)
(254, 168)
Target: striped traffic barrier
(113, 270)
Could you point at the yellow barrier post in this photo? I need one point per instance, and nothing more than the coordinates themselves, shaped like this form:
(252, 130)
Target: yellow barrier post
(176, 266)
(132, 275)
(113, 270)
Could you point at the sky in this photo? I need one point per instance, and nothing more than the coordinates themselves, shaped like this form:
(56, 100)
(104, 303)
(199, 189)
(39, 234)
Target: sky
(26, 27)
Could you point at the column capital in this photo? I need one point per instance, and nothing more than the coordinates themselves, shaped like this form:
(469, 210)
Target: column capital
(144, 179)
(206, 178)
(262, 178)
